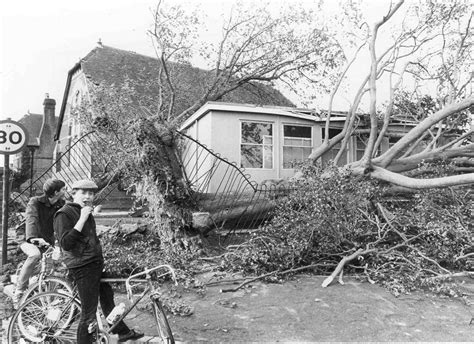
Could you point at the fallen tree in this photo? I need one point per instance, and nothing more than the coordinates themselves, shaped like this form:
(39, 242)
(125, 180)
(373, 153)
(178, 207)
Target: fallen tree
(335, 224)
(433, 45)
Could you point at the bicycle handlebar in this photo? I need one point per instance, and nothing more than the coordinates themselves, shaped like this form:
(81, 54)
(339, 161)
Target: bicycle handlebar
(147, 273)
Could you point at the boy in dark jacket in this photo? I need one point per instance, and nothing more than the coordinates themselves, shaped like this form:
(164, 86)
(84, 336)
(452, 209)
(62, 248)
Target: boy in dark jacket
(75, 229)
(39, 230)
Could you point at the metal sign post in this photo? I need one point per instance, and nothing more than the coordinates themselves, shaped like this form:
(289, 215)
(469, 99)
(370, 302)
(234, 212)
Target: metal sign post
(13, 138)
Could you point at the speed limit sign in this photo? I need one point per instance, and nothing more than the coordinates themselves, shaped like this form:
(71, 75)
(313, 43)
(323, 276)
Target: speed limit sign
(13, 137)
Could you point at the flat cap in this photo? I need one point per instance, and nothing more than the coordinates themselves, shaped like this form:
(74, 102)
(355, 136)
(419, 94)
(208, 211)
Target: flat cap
(84, 184)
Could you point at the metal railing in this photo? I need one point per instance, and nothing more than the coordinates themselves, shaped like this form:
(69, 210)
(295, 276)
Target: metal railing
(73, 164)
(224, 190)
(218, 186)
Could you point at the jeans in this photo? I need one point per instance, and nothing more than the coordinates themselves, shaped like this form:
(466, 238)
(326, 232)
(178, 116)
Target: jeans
(29, 266)
(87, 279)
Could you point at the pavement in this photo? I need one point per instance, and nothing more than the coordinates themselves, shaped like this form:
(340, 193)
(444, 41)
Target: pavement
(300, 310)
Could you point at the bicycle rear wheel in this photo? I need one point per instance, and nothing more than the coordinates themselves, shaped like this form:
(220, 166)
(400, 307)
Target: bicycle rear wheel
(48, 284)
(49, 317)
(164, 329)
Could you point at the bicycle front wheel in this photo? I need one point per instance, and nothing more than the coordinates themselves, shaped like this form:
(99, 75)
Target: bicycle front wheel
(164, 329)
(49, 317)
(48, 284)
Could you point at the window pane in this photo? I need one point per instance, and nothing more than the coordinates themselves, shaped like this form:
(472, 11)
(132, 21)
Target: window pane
(251, 156)
(306, 152)
(267, 140)
(289, 155)
(332, 132)
(296, 131)
(293, 155)
(297, 142)
(253, 132)
(257, 145)
(267, 156)
(292, 142)
(332, 154)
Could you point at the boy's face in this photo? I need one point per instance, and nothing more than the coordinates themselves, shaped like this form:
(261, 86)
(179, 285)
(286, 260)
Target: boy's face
(60, 193)
(83, 197)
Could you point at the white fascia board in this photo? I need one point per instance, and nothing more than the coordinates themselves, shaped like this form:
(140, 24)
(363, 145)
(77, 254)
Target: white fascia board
(233, 107)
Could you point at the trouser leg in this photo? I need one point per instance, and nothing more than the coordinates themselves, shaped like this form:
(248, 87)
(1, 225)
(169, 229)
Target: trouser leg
(87, 279)
(107, 304)
(31, 262)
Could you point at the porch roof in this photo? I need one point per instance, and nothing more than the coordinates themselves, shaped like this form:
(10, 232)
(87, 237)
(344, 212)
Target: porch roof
(306, 114)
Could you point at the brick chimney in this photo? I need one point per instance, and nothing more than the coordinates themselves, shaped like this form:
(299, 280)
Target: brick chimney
(49, 112)
(46, 136)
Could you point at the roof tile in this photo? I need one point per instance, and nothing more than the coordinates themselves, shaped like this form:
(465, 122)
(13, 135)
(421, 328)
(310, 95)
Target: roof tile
(110, 66)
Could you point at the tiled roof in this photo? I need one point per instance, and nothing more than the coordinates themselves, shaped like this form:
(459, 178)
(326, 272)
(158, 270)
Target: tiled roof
(116, 67)
(32, 122)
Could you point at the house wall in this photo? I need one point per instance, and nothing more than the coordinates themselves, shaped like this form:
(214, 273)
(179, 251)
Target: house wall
(74, 165)
(221, 131)
(196, 163)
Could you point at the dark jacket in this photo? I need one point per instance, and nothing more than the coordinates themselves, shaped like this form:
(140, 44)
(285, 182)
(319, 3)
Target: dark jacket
(78, 248)
(39, 218)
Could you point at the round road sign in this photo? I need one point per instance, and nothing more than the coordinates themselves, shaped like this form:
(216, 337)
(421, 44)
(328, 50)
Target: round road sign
(13, 137)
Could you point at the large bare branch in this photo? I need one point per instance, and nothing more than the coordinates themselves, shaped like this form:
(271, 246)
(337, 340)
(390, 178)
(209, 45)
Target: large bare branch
(372, 85)
(414, 183)
(386, 158)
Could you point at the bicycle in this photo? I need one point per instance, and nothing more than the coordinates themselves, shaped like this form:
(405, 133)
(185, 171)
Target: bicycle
(45, 279)
(53, 317)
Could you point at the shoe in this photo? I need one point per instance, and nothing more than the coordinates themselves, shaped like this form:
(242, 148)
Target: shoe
(132, 334)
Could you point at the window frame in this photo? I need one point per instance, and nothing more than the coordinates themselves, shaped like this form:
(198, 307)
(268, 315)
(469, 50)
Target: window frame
(258, 144)
(311, 146)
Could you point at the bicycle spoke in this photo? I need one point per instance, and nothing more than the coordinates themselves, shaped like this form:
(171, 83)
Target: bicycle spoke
(48, 317)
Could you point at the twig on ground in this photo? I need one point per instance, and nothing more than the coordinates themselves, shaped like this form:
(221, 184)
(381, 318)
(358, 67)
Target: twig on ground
(212, 258)
(340, 266)
(366, 272)
(224, 281)
(269, 274)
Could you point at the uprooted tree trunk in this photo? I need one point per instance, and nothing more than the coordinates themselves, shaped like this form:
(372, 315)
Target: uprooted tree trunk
(163, 186)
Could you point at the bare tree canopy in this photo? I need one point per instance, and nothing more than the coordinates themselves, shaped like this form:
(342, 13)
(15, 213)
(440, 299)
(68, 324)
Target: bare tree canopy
(431, 46)
(254, 45)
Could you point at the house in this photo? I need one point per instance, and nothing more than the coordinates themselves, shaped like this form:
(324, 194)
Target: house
(267, 141)
(254, 126)
(113, 67)
(38, 157)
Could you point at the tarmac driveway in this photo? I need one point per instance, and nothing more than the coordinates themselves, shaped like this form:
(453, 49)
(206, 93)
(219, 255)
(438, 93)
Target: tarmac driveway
(301, 311)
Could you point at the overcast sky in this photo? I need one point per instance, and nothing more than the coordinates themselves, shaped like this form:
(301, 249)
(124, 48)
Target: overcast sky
(41, 41)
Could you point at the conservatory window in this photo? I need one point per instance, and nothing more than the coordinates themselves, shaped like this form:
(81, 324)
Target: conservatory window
(297, 144)
(256, 149)
(331, 154)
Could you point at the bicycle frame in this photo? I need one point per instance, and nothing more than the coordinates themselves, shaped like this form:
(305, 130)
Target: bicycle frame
(43, 264)
(102, 330)
(149, 289)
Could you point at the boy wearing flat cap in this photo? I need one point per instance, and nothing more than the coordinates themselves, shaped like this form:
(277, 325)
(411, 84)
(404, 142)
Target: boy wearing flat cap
(75, 229)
